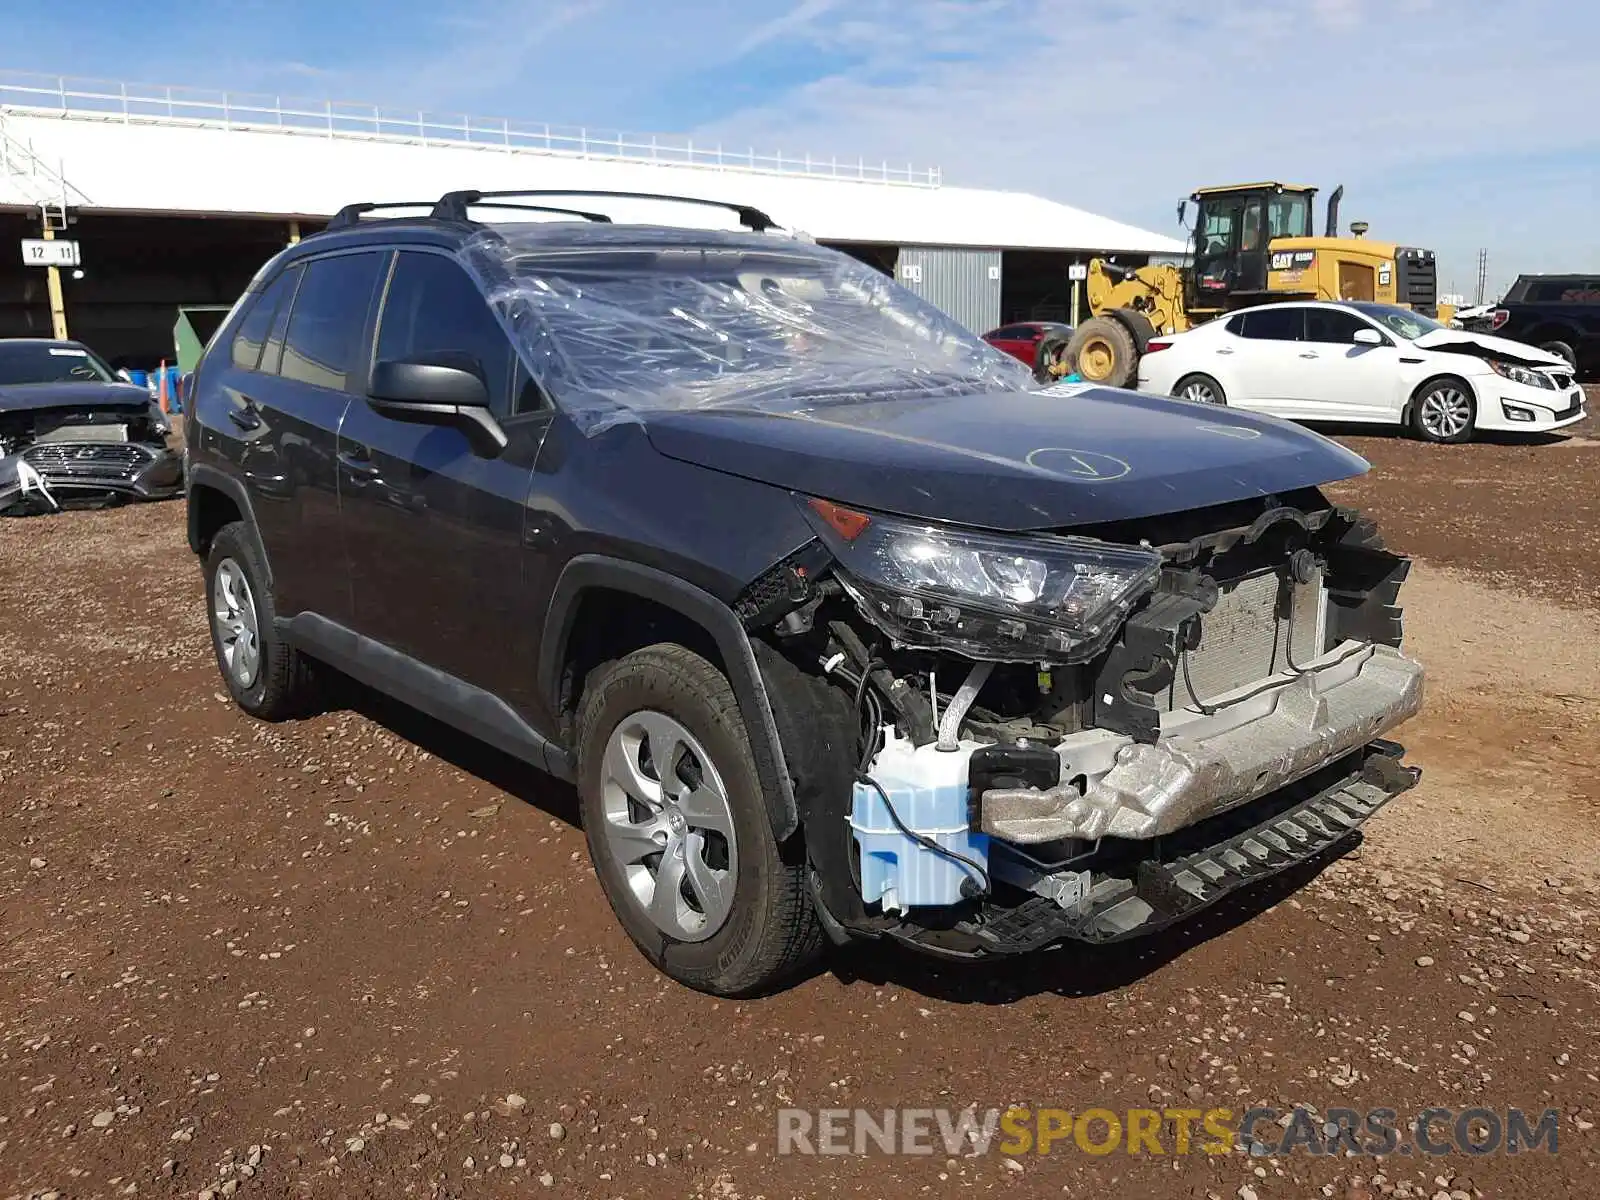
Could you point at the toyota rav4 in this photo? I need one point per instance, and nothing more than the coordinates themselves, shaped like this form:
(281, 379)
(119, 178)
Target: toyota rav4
(842, 626)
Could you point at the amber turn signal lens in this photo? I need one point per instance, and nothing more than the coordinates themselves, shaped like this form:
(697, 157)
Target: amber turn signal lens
(846, 522)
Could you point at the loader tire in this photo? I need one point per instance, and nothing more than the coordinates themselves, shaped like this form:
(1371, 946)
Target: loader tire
(1102, 351)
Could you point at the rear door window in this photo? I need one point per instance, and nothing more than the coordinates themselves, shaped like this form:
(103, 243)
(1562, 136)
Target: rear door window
(253, 330)
(1283, 323)
(330, 314)
(433, 312)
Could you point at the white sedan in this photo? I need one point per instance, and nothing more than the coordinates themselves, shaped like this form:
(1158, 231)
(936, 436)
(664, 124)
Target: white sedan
(1357, 361)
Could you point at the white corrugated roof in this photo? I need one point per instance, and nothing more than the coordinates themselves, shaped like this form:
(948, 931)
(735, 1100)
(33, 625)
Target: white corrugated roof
(151, 163)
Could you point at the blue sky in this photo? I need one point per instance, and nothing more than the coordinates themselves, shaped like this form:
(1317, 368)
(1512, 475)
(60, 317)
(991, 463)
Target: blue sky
(1456, 124)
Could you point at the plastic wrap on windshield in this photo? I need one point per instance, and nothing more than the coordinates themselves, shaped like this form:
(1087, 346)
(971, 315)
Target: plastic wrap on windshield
(614, 321)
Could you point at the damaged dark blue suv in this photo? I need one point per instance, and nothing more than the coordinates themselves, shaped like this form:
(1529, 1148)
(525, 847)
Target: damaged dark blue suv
(840, 624)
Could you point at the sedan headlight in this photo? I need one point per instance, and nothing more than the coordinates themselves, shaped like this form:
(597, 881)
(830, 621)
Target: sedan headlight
(1522, 375)
(1019, 598)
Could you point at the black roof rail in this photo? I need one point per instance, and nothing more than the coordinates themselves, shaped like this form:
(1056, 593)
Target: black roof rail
(597, 217)
(452, 206)
(351, 214)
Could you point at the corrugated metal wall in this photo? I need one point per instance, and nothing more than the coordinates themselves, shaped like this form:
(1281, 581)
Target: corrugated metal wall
(964, 283)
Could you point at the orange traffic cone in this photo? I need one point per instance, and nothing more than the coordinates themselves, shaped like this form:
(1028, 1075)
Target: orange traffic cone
(166, 405)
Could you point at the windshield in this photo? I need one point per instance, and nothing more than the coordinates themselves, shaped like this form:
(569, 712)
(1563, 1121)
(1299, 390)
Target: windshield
(613, 320)
(22, 363)
(1400, 321)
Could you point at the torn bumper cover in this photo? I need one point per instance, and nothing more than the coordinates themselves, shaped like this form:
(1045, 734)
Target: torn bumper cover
(1203, 767)
(48, 476)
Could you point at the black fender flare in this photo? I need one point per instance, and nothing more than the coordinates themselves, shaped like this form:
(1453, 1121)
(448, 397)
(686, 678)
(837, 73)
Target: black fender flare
(589, 571)
(205, 475)
(1138, 324)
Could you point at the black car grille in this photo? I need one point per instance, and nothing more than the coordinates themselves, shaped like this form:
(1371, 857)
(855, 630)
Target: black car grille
(120, 461)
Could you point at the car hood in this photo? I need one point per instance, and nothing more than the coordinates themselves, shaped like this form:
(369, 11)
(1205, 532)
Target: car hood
(1023, 460)
(37, 397)
(1483, 345)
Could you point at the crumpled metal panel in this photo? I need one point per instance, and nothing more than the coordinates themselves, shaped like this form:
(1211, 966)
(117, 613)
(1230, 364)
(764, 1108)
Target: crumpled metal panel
(1157, 789)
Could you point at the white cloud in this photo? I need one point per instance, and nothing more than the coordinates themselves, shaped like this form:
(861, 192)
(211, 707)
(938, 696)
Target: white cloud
(792, 22)
(1450, 124)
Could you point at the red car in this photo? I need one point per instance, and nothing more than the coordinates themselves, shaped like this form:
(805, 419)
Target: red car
(1021, 340)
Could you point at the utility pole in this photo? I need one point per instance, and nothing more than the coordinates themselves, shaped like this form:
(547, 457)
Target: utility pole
(58, 303)
(1483, 274)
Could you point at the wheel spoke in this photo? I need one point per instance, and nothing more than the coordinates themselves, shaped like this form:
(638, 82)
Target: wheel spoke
(664, 904)
(710, 886)
(666, 739)
(705, 807)
(632, 841)
(622, 768)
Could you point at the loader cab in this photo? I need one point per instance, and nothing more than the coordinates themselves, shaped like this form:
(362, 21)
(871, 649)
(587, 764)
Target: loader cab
(1233, 228)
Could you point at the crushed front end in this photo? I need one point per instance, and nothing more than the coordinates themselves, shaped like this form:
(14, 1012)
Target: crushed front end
(84, 455)
(1003, 741)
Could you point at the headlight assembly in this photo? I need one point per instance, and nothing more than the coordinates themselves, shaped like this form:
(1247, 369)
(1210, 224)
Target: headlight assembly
(1016, 598)
(1522, 375)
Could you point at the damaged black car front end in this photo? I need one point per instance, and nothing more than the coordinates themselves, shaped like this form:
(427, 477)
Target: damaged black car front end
(1199, 703)
(73, 435)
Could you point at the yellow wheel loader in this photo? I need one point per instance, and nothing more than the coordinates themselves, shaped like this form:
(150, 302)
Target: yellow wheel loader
(1252, 243)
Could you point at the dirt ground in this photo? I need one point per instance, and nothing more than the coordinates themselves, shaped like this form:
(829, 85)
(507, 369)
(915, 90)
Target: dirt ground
(315, 959)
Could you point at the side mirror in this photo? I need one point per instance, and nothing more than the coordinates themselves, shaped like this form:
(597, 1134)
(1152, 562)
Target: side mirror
(433, 394)
(1367, 337)
(122, 374)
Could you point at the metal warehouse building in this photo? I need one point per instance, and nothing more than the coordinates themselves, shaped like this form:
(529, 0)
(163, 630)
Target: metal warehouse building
(175, 197)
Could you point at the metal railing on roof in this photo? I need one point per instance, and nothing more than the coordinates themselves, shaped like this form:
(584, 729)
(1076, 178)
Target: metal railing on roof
(160, 104)
(24, 174)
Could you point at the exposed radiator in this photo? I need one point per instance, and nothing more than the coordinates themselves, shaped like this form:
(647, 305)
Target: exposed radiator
(1245, 638)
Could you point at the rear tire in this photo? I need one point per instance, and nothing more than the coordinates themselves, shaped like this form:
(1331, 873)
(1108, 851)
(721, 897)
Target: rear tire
(1050, 360)
(1444, 411)
(1562, 350)
(1102, 351)
(1200, 388)
(266, 676)
(664, 761)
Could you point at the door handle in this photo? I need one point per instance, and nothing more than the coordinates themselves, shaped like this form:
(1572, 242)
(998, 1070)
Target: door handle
(246, 416)
(1308, 354)
(1224, 351)
(359, 465)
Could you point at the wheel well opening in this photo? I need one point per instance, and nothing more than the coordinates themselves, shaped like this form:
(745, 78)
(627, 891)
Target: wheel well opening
(209, 510)
(609, 624)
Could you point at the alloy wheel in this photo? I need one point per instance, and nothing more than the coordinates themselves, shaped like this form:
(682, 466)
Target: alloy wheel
(1445, 412)
(1199, 391)
(669, 825)
(233, 614)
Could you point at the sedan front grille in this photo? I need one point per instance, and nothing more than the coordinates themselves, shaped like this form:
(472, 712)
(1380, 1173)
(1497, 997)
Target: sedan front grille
(119, 461)
(1249, 637)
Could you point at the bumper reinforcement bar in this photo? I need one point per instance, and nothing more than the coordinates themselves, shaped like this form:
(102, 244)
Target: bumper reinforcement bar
(1159, 893)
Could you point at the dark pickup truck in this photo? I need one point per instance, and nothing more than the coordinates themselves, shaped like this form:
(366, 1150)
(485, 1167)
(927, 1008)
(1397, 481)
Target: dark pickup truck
(1557, 313)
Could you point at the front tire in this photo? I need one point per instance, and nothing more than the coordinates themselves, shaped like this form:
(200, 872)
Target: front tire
(1444, 411)
(1201, 388)
(266, 676)
(675, 816)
